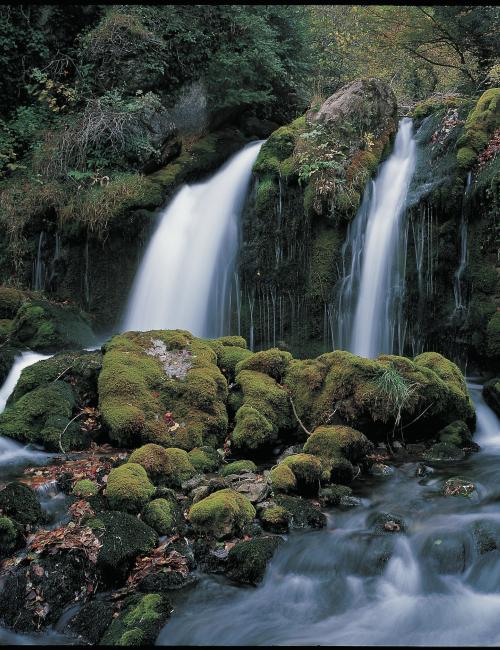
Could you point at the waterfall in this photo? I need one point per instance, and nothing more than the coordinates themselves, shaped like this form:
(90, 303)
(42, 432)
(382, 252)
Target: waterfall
(185, 278)
(457, 277)
(38, 280)
(372, 290)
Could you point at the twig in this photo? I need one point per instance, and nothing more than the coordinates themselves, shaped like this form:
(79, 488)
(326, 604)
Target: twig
(65, 428)
(62, 373)
(296, 415)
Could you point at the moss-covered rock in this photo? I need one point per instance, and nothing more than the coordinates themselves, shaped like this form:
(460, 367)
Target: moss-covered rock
(275, 519)
(479, 125)
(308, 471)
(456, 433)
(155, 460)
(491, 393)
(19, 502)
(139, 622)
(222, 514)
(329, 442)
(238, 467)
(247, 561)
(443, 451)
(92, 620)
(10, 301)
(332, 495)
(301, 512)
(123, 538)
(164, 387)
(282, 479)
(8, 535)
(271, 362)
(85, 488)
(205, 459)
(162, 515)
(493, 335)
(129, 488)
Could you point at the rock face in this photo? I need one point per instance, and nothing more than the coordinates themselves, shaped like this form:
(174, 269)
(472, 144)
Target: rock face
(368, 102)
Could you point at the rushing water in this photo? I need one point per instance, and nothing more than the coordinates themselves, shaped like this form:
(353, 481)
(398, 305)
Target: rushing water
(438, 584)
(185, 277)
(372, 290)
(458, 276)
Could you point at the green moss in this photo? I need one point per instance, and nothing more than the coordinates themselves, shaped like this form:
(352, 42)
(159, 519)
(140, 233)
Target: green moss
(275, 519)
(6, 329)
(10, 301)
(182, 468)
(135, 392)
(155, 460)
(282, 479)
(493, 335)
(238, 467)
(41, 416)
(85, 488)
(266, 195)
(479, 126)
(123, 538)
(427, 106)
(139, 621)
(230, 357)
(338, 469)
(491, 393)
(248, 560)
(128, 488)
(325, 255)
(19, 502)
(333, 494)
(457, 433)
(272, 362)
(222, 513)
(278, 147)
(8, 535)
(162, 515)
(232, 341)
(205, 459)
(329, 442)
(443, 451)
(252, 430)
(302, 513)
(307, 469)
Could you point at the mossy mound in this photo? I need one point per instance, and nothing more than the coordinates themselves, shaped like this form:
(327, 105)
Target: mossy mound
(456, 433)
(222, 513)
(19, 502)
(182, 468)
(247, 561)
(307, 470)
(302, 514)
(123, 538)
(282, 479)
(479, 126)
(271, 362)
(143, 399)
(46, 327)
(139, 622)
(275, 519)
(491, 393)
(92, 620)
(205, 459)
(162, 515)
(41, 416)
(8, 535)
(367, 391)
(443, 451)
(238, 467)
(85, 488)
(10, 301)
(230, 350)
(169, 467)
(493, 335)
(330, 442)
(264, 414)
(332, 495)
(129, 488)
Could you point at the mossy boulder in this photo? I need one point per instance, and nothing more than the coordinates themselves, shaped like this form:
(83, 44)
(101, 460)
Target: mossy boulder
(9, 534)
(302, 514)
(275, 519)
(168, 467)
(205, 459)
(493, 335)
(123, 538)
(85, 488)
(332, 495)
(19, 502)
(163, 387)
(221, 514)
(230, 350)
(333, 441)
(139, 621)
(10, 301)
(443, 451)
(456, 433)
(247, 561)
(129, 488)
(162, 515)
(92, 620)
(45, 326)
(308, 471)
(491, 394)
(271, 362)
(238, 467)
(479, 126)
(282, 479)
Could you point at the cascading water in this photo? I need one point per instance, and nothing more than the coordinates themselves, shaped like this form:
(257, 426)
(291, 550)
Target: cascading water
(457, 278)
(185, 277)
(371, 293)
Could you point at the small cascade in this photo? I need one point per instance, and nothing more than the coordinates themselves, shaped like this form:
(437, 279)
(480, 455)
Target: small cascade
(185, 278)
(459, 273)
(38, 276)
(23, 361)
(372, 290)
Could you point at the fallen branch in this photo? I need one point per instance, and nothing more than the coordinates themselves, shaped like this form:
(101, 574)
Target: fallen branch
(65, 429)
(62, 373)
(296, 415)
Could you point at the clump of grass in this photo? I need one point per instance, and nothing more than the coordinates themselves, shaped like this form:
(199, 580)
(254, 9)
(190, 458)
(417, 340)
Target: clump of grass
(397, 391)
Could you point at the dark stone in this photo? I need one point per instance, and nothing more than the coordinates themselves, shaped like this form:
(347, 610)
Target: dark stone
(385, 523)
(302, 513)
(92, 621)
(248, 560)
(20, 502)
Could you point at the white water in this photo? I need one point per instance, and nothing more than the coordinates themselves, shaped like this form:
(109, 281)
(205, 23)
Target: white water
(185, 277)
(12, 452)
(378, 245)
(457, 277)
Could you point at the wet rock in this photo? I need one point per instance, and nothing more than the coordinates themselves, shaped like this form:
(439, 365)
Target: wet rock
(366, 554)
(254, 487)
(19, 502)
(423, 471)
(445, 553)
(385, 522)
(379, 469)
(139, 621)
(193, 483)
(247, 561)
(491, 394)
(275, 519)
(486, 536)
(458, 486)
(415, 449)
(209, 487)
(333, 494)
(302, 513)
(350, 502)
(166, 581)
(443, 451)
(290, 451)
(92, 621)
